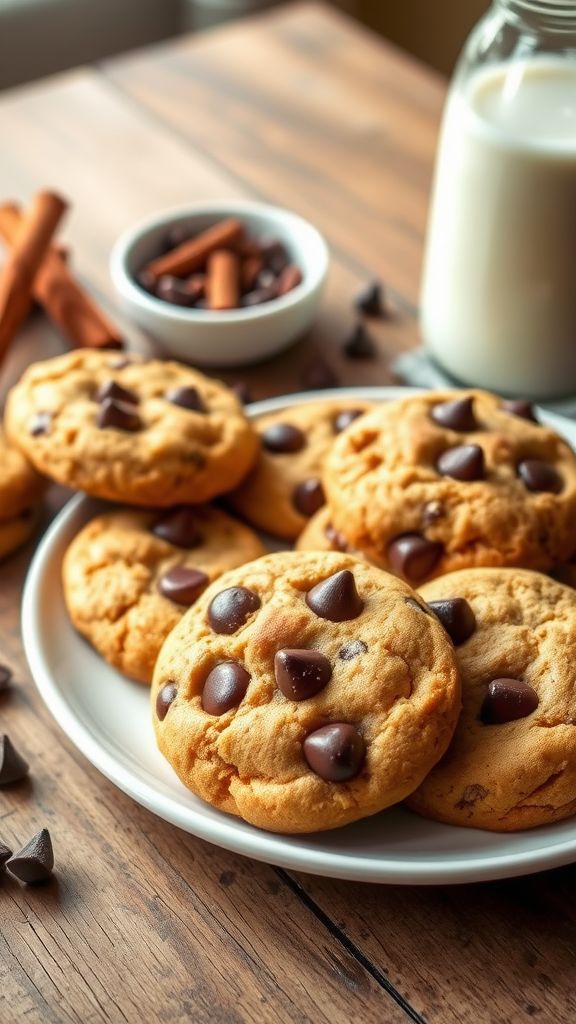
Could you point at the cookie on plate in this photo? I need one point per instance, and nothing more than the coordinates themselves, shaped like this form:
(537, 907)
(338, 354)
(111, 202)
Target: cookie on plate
(20, 490)
(512, 762)
(284, 489)
(443, 481)
(146, 432)
(304, 691)
(129, 575)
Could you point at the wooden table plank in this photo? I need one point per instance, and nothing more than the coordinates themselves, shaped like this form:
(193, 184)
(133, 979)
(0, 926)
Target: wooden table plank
(313, 112)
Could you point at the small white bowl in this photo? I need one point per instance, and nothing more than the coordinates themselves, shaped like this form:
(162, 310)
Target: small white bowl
(232, 337)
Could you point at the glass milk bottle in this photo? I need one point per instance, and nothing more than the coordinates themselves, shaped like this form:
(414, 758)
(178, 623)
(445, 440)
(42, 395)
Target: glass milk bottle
(499, 282)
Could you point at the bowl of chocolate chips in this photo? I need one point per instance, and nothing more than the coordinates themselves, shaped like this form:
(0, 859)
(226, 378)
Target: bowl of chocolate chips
(221, 283)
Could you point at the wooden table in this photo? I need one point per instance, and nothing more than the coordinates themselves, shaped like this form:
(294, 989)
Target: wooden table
(145, 923)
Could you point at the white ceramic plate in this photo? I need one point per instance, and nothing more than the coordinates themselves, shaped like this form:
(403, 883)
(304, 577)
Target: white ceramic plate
(107, 717)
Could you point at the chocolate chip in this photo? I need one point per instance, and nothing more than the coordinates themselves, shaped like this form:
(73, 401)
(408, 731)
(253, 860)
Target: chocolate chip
(317, 375)
(301, 673)
(180, 232)
(179, 528)
(345, 418)
(5, 854)
(118, 415)
(147, 281)
(224, 688)
(183, 585)
(359, 344)
(456, 415)
(413, 556)
(336, 539)
(35, 861)
(520, 407)
(283, 437)
(13, 767)
(335, 752)
(507, 700)
(539, 476)
(186, 397)
(175, 291)
(164, 699)
(370, 300)
(466, 462)
(415, 604)
(274, 255)
(231, 607)
(456, 616)
(110, 389)
(40, 424)
(336, 598)
(431, 512)
(5, 677)
(308, 497)
(352, 649)
(242, 391)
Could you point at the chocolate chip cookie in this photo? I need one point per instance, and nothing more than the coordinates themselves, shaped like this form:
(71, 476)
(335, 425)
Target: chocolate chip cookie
(320, 535)
(512, 762)
(20, 491)
(130, 575)
(284, 489)
(443, 481)
(149, 433)
(304, 691)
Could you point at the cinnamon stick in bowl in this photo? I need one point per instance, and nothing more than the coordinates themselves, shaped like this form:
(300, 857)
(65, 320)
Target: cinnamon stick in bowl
(67, 305)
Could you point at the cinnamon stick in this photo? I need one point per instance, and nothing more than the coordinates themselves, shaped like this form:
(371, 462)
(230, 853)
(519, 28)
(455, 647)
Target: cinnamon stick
(18, 273)
(67, 305)
(223, 280)
(193, 254)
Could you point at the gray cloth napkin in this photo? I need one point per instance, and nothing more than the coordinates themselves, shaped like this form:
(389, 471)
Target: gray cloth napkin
(419, 369)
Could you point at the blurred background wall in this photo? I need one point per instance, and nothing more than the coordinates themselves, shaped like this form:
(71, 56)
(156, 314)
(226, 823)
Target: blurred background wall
(38, 37)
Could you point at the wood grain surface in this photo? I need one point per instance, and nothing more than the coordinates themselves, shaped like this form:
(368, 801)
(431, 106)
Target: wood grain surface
(143, 922)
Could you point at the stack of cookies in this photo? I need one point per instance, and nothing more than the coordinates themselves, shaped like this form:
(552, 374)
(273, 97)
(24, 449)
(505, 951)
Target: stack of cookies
(305, 689)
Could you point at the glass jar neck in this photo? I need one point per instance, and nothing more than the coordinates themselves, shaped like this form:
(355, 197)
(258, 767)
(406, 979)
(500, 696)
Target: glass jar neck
(541, 15)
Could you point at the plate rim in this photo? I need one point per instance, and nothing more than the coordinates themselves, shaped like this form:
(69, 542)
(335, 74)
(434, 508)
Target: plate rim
(263, 846)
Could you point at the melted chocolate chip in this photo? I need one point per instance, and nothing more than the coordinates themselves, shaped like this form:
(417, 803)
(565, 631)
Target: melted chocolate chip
(187, 398)
(335, 752)
(336, 539)
(5, 854)
(178, 527)
(336, 598)
(359, 344)
(13, 767)
(230, 609)
(308, 497)
(352, 649)
(40, 424)
(466, 462)
(539, 476)
(301, 673)
(413, 556)
(345, 418)
(35, 861)
(520, 407)
(370, 300)
(224, 688)
(183, 585)
(456, 415)
(456, 616)
(110, 389)
(283, 437)
(508, 700)
(5, 677)
(164, 700)
(118, 416)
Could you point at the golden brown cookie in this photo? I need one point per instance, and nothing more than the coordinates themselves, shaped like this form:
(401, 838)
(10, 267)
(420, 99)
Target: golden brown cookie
(284, 489)
(146, 432)
(443, 481)
(512, 762)
(129, 576)
(304, 691)
(20, 491)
